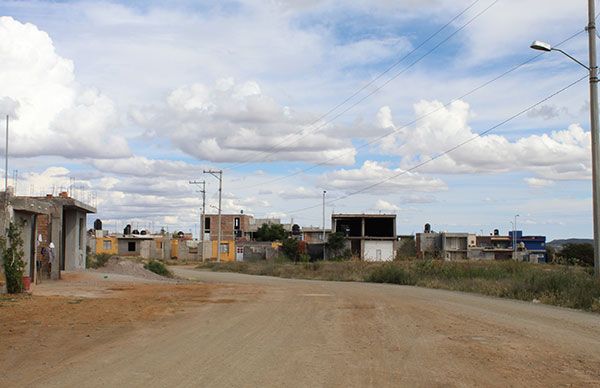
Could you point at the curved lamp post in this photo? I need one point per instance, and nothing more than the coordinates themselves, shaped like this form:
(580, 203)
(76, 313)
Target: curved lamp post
(593, 70)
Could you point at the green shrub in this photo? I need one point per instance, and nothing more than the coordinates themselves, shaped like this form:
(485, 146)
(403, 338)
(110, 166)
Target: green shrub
(291, 249)
(12, 254)
(97, 261)
(158, 268)
(390, 273)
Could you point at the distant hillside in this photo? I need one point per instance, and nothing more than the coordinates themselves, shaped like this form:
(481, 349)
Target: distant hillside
(560, 243)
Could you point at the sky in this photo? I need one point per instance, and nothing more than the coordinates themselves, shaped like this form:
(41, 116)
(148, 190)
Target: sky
(435, 110)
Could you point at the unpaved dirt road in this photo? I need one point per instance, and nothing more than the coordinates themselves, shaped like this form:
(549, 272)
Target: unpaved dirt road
(295, 333)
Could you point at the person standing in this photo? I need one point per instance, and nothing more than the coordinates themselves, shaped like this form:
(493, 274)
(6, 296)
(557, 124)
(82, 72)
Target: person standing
(52, 262)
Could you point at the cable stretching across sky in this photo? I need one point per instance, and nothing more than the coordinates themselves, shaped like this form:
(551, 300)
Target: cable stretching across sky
(278, 146)
(404, 126)
(446, 152)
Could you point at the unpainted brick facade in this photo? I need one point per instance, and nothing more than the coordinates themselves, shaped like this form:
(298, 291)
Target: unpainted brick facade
(233, 226)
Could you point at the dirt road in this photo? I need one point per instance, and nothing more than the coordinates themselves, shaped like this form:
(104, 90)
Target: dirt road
(279, 332)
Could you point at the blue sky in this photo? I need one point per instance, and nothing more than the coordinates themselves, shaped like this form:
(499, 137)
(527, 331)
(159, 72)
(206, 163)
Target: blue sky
(130, 100)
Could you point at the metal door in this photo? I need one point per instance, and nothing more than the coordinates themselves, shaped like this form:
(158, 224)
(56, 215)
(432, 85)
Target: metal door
(239, 254)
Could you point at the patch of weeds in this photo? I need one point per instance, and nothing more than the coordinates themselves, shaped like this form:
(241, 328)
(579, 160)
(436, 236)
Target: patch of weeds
(158, 268)
(97, 261)
(390, 273)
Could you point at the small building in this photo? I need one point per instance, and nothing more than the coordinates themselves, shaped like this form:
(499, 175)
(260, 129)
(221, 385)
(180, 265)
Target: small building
(444, 245)
(311, 234)
(256, 250)
(372, 237)
(131, 245)
(104, 244)
(228, 250)
(48, 221)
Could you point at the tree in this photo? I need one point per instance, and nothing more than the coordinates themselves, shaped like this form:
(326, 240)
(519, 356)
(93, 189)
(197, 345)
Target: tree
(407, 249)
(336, 242)
(12, 254)
(578, 254)
(294, 249)
(270, 232)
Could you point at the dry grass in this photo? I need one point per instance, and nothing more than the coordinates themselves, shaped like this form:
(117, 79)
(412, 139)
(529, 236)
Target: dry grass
(565, 286)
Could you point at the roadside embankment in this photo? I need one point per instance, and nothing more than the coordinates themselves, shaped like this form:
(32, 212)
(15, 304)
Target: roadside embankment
(565, 286)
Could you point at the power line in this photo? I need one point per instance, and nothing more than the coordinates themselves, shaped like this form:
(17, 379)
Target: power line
(276, 148)
(448, 151)
(395, 130)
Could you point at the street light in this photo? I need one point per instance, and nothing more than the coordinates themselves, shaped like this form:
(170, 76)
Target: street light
(593, 70)
(515, 237)
(543, 46)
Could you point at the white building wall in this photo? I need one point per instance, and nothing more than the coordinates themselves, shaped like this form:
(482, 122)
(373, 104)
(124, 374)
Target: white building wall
(379, 250)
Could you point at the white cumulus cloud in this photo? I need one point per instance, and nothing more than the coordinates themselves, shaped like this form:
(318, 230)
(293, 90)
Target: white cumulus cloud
(562, 154)
(236, 122)
(51, 113)
(382, 178)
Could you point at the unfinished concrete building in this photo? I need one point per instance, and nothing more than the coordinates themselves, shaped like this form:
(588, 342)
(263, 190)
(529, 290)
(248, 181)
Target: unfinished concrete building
(447, 246)
(44, 220)
(372, 237)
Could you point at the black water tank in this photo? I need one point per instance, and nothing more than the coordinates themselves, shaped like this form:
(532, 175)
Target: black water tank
(127, 230)
(97, 224)
(135, 231)
(496, 232)
(296, 230)
(143, 232)
(427, 228)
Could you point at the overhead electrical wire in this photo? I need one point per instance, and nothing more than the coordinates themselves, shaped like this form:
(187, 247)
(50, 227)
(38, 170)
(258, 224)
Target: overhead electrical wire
(446, 152)
(419, 118)
(276, 148)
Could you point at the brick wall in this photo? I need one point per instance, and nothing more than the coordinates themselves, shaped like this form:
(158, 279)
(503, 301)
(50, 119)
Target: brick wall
(227, 224)
(42, 226)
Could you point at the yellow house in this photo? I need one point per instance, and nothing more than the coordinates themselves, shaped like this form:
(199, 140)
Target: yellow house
(227, 250)
(174, 248)
(108, 245)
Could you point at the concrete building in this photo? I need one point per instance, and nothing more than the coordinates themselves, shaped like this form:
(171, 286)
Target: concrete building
(533, 247)
(312, 234)
(372, 237)
(44, 220)
(444, 245)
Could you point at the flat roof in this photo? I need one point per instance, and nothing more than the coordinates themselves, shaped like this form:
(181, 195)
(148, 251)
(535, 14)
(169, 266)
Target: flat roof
(363, 215)
(68, 202)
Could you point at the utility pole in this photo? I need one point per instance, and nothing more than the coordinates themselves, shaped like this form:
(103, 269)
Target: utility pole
(6, 159)
(323, 237)
(591, 29)
(203, 191)
(219, 175)
(593, 71)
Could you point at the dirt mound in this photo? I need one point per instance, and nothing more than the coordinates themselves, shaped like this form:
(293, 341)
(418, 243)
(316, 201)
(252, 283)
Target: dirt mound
(128, 267)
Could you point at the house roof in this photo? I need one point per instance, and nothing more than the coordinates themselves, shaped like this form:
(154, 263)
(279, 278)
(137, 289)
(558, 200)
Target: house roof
(363, 215)
(313, 229)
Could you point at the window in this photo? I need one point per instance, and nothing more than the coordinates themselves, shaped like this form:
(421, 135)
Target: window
(131, 246)
(236, 223)
(224, 248)
(207, 223)
(106, 245)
